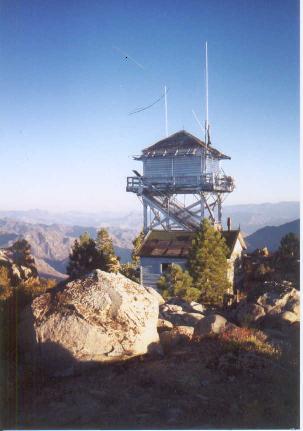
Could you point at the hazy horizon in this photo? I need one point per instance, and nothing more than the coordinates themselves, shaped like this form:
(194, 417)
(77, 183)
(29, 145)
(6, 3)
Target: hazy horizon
(138, 209)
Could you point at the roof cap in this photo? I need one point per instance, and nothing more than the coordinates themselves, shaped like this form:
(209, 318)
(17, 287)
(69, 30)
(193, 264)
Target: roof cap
(181, 141)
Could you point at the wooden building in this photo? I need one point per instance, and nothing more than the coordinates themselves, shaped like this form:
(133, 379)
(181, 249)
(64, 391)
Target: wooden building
(162, 248)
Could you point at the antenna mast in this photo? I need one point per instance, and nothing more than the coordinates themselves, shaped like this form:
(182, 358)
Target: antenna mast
(165, 99)
(206, 97)
(197, 120)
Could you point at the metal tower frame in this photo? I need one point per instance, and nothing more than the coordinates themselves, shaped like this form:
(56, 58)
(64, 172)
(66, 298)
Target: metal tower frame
(161, 208)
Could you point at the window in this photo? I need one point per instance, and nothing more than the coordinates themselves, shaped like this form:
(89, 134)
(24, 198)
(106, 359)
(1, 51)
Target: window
(165, 267)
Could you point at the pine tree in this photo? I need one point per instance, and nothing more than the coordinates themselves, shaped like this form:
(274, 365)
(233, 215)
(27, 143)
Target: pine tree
(22, 255)
(5, 284)
(177, 282)
(105, 247)
(207, 264)
(131, 269)
(84, 257)
(290, 246)
(137, 242)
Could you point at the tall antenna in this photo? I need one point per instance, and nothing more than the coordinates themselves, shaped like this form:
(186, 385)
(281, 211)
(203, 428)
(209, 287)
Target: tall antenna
(165, 99)
(197, 120)
(206, 97)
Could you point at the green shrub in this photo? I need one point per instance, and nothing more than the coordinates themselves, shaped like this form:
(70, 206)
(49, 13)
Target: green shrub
(177, 282)
(130, 271)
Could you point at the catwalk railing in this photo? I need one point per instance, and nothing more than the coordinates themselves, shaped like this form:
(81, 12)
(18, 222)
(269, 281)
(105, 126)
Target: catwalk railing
(185, 184)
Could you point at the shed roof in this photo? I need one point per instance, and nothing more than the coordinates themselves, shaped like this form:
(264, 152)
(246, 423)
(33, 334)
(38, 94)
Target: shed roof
(177, 243)
(181, 141)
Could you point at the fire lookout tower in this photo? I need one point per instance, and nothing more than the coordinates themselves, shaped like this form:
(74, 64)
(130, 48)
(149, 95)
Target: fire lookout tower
(182, 183)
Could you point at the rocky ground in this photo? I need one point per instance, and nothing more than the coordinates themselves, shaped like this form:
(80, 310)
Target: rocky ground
(234, 368)
(206, 384)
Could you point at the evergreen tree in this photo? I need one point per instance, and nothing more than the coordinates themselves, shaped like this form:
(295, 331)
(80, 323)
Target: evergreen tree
(176, 282)
(22, 255)
(131, 269)
(207, 264)
(5, 284)
(290, 246)
(105, 247)
(84, 257)
(137, 242)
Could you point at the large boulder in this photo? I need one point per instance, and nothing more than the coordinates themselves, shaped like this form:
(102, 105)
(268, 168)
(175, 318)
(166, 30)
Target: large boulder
(192, 307)
(277, 308)
(156, 294)
(196, 307)
(278, 297)
(211, 324)
(168, 308)
(164, 325)
(248, 313)
(178, 335)
(182, 318)
(179, 312)
(191, 319)
(101, 317)
(289, 317)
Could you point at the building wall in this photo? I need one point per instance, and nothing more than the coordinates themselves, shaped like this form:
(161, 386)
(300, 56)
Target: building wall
(187, 166)
(212, 165)
(234, 264)
(158, 167)
(151, 271)
(179, 166)
(173, 166)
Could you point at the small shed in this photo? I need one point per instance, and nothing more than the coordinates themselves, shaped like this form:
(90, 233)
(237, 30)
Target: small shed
(162, 248)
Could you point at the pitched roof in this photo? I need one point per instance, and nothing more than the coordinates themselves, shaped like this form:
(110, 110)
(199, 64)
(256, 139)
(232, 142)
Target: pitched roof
(177, 243)
(181, 141)
(231, 237)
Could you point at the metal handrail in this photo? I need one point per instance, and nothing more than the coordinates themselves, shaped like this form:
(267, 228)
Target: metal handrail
(211, 179)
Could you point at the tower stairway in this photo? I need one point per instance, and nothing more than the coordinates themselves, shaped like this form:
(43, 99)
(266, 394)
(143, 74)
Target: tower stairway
(173, 208)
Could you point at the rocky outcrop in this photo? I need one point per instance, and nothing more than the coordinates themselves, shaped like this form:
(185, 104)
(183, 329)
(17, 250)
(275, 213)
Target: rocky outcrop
(176, 337)
(164, 325)
(248, 313)
(279, 297)
(181, 322)
(102, 317)
(211, 324)
(277, 308)
(181, 313)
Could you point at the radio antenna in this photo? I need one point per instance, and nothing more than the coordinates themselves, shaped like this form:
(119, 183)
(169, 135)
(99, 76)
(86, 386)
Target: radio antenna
(207, 139)
(165, 100)
(197, 120)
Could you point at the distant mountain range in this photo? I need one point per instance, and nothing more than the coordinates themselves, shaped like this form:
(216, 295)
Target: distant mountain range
(250, 217)
(51, 244)
(75, 218)
(52, 235)
(270, 236)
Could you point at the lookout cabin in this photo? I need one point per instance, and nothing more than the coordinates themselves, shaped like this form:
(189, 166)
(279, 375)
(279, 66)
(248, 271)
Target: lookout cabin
(181, 163)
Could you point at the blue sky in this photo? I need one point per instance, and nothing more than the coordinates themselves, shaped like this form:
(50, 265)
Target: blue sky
(66, 138)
